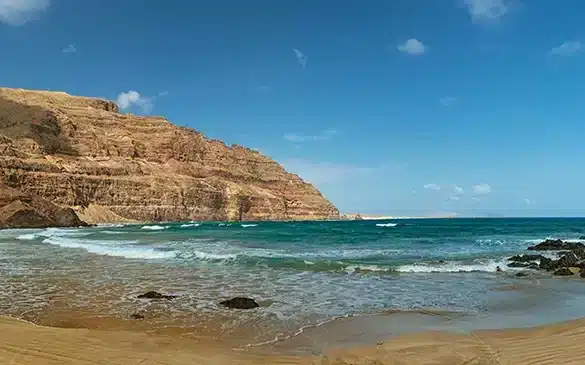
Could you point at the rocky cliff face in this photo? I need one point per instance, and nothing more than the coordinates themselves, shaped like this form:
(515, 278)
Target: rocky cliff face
(82, 153)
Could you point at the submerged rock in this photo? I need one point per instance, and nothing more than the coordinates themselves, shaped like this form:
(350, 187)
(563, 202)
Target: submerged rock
(518, 264)
(521, 274)
(563, 271)
(240, 303)
(557, 245)
(155, 295)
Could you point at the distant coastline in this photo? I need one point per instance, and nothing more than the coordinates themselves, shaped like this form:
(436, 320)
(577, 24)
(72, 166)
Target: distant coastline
(370, 217)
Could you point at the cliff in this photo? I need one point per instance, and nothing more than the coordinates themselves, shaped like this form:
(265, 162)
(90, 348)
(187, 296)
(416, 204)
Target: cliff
(82, 153)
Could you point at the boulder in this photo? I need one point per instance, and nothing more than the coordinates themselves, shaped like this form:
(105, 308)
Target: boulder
(155, 295)
(580, 253)
(518, 264)
(567, 260)
(563, 271)
(556, 245)
(136, 316)
(547, 264)
(525, 258)
(240, 303)
(582, 273)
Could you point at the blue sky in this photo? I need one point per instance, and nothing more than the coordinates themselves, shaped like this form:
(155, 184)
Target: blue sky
(402, 107)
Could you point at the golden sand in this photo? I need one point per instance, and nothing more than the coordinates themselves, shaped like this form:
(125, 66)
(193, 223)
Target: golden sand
(22, 343)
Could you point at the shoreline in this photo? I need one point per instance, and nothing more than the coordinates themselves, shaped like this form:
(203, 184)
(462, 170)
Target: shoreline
(26, 343)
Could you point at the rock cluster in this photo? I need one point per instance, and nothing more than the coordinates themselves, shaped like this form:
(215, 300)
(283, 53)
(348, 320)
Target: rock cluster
(571, 258)
(82, 153)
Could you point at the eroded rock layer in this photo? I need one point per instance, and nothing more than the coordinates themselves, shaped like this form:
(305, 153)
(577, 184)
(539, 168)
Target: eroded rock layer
(82, 153)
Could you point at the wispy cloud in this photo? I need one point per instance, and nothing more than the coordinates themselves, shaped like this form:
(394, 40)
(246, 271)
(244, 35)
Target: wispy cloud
(482, 189)
(299, 138)
(412, 47)
(482, 11)
(69, 49)
(454, 197)
(447, 100)
(324, 172)
(434, 187)
(527, 201)
(568, 48)
(20, 12)
(458, 189)
(301, 58)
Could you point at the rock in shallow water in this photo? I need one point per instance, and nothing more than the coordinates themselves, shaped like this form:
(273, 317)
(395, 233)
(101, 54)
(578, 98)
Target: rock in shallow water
(155, 295)
(240, 303)
(525, 258)
(556, 245)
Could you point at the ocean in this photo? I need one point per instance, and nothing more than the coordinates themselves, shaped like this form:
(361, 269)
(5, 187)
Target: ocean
(303, 274)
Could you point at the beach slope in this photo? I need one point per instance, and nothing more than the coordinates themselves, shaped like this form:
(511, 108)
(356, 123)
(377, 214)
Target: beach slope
(27, 344)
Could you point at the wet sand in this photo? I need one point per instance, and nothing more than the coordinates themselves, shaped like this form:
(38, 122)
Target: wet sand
(28, 344)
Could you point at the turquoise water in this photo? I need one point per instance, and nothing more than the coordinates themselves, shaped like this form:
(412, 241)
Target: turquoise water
(302, 273)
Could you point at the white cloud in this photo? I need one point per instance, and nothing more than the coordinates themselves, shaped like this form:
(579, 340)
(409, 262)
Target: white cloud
(412, 47)
(527, 201)
(434, 187)
(568, 48)
(128, 99)
(69, 49)
(298, 138)
(300, 57)
(482, 189)
(325, 172)
(458, 189)
(20, 12)
(455, 197)
(447, 100)
(487, 10)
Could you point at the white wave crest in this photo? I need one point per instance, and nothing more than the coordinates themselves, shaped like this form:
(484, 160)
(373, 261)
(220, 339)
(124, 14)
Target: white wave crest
(190, 225)
(155, 228)
(353, 268)
(453, 266)
(28, 236)
(125, 249)
(207, 256)
(248, 225)
(386, 224)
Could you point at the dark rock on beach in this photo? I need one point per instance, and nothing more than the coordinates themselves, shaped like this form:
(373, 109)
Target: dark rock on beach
(567, 260)
(547, 264)
(518, 264)
(240, 303)
(525, 258)
(136, 316)
(155, 295)
(557, 245)
(564, 271)
(582, 273)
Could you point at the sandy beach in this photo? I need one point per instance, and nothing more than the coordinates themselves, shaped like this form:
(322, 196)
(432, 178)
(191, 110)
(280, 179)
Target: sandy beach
(23, 343)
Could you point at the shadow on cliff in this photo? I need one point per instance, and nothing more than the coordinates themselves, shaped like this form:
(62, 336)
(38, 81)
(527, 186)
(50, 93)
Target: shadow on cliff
(18, 121)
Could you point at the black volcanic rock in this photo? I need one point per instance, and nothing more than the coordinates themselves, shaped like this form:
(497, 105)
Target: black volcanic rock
(557, 245)
(240, 303)
(525, 258)
(567, 260)
(155, 295)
